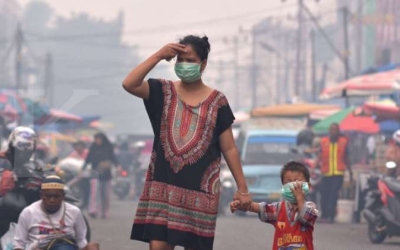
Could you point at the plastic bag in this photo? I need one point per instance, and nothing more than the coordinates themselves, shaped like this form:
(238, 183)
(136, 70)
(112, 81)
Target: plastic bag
(8, 238)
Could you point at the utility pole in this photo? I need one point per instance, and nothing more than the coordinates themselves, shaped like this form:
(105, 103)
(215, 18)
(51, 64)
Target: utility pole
(253, 69)
(236, 73)
(286, 87)
(48, 80)
(298, 81)
(346, 49)
(346, 42)
(278, 86)
(323, 78)
(313, 67)
(359, 36)
(18, 58)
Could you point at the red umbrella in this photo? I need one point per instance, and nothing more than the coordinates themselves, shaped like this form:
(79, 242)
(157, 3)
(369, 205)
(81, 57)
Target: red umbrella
(350, 119)
(365, 85)
(359, 123)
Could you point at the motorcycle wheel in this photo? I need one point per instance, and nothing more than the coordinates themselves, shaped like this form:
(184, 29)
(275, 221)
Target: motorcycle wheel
(375, 236)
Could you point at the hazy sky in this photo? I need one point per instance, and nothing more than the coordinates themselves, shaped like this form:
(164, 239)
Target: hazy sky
(222, 17)
(161, 21)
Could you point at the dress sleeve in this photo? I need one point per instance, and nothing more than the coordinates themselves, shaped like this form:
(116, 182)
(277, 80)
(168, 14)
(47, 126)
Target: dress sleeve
(225, 116)
(154, 103)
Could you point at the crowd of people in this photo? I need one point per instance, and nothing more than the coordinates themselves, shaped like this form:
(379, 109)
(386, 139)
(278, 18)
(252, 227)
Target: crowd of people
(178, 206)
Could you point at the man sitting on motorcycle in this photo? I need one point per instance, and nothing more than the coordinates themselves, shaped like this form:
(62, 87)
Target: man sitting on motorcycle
(393, 154)
(51, 223)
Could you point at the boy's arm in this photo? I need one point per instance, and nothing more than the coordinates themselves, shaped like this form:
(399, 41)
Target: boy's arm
(308, 214)
(267, 213)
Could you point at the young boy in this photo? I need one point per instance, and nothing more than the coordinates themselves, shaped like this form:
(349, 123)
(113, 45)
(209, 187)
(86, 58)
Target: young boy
(292, 218)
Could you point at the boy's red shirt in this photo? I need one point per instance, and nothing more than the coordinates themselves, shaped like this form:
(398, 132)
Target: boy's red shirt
(293, 230)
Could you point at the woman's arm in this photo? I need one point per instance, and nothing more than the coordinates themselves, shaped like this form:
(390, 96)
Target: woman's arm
(134, 83)
(231, 155)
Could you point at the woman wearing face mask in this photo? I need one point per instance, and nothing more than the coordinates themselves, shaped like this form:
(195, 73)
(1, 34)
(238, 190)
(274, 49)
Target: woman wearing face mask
(192, 127)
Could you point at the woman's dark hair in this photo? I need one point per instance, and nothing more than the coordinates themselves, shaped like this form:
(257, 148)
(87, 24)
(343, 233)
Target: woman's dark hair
(105, 141)
(199, 44)
(295, 166)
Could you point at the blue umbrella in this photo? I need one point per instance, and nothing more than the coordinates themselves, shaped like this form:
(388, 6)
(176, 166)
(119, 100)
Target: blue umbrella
(389, 126)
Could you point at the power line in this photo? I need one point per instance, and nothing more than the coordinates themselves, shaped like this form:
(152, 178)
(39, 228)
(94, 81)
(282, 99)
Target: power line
(165, 28)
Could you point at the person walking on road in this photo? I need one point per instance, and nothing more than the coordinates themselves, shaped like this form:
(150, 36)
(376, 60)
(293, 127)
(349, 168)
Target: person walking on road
(102, 158)
(293, 218)
(333, 161)
(192, 126)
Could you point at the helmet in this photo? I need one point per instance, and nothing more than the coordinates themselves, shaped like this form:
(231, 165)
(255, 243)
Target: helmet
(396, 137)
(23, 139)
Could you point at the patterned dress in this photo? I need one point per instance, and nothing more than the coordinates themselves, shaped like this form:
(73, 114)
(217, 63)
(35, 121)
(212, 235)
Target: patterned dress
(179, 203)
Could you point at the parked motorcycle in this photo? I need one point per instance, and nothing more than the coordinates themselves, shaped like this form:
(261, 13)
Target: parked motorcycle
(382, 206)
(123, 182)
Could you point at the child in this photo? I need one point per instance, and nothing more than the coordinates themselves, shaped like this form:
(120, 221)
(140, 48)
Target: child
(292, 218)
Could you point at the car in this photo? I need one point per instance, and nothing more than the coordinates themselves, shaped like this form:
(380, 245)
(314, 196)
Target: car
(263, 152)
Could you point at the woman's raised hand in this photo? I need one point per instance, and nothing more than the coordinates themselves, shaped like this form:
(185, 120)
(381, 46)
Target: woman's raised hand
(169, 51)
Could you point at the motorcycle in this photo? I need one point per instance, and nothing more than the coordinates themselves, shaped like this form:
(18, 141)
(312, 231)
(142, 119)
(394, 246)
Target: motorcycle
(27, 191)
(382, 206)
(122, 184)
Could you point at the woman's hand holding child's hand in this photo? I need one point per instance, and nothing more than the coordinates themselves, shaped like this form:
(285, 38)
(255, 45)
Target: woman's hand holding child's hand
(234, 206)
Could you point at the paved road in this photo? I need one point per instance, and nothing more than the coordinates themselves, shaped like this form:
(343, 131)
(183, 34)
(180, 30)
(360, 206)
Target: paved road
(235, 233)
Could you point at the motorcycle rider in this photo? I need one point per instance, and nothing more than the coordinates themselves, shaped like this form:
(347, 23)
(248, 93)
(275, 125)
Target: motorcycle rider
(393, 154)
(51, 223)
(21, 146)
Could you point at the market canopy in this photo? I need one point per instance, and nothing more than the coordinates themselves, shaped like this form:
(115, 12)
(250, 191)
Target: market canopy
(385, 109)
(290, 110)
(365, 85)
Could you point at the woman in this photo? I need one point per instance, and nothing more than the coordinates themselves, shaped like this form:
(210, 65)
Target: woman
(102, 158)
(192, 126)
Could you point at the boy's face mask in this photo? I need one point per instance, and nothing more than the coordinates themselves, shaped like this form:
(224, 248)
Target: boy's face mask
(287, 193)
(188, 72)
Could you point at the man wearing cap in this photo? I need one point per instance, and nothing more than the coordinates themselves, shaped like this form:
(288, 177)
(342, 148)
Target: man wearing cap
(51, 223)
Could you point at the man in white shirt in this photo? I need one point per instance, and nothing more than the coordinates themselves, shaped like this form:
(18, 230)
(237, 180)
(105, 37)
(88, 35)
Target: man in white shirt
(51, 223)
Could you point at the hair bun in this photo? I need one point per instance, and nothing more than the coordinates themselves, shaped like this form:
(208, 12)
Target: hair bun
(205, 39)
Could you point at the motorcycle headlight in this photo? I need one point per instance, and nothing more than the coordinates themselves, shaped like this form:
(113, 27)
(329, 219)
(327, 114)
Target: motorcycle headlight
(227, 184)
(391, 164)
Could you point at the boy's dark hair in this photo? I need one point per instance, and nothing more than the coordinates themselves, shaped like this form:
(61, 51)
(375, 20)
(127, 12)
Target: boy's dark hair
(295, 166)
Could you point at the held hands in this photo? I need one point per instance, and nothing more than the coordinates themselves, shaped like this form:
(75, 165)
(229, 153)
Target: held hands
(234, 205)
(241, 201)
(169, 51)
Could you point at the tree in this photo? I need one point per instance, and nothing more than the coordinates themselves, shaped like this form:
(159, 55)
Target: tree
(89, 53)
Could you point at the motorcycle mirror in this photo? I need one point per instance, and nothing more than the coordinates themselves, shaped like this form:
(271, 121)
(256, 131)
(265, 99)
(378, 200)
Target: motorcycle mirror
(391, 164)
